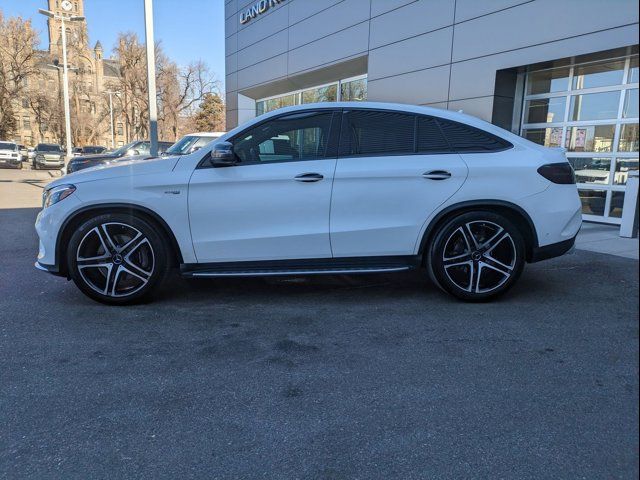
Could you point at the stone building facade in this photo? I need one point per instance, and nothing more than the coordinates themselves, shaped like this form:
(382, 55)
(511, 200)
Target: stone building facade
(91, 77)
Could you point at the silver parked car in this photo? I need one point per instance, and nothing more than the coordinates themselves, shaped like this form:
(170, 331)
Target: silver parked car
(48, 155)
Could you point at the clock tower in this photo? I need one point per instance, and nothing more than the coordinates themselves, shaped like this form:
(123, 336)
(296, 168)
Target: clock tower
(76, 31)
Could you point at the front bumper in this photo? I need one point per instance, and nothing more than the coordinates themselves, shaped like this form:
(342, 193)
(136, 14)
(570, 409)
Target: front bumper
(10, 162)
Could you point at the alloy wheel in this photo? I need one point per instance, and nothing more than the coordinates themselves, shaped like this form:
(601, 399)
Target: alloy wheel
(479, 256)
(115, 259)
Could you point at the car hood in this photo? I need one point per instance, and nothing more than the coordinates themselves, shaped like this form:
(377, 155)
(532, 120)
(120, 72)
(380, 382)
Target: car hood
(121, 169)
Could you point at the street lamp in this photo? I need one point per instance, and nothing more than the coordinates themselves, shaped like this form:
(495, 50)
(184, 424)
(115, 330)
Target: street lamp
(66, 6)
(110, 93)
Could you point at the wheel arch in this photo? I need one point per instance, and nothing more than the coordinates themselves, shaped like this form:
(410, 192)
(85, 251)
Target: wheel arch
(513, 212)
(83, 214)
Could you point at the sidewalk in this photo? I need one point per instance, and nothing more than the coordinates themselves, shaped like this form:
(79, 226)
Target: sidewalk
(596, 237)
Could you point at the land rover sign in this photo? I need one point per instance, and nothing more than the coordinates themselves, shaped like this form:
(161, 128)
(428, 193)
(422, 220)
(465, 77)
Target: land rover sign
(258, 9)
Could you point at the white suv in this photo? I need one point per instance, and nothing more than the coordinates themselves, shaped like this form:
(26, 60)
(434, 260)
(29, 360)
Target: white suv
(318, 189)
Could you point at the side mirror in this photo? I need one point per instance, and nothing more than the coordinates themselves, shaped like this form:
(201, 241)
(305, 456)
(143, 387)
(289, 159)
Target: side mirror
(222, 155)
(194, 149)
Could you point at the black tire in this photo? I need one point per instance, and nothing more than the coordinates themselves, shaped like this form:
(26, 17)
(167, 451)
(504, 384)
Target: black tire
(476, 256)
(118, 259)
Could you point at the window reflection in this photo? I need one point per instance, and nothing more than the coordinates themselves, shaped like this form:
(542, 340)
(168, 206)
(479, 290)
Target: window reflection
(591, 138)
(633, 70)
(354, 91)
(628, 138)
(322, 94)
(593, 201)
(630, 104)
(545, 110)
(549, 137)
(623, 167)
(594, 106)
(591, 170)
(547, 81)
(598, 74)
(617, 201)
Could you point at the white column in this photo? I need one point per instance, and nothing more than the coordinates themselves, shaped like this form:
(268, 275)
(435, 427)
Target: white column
(65, 89)
(151, 76)
(629, 225)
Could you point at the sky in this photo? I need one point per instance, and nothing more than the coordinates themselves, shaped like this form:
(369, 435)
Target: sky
(188, 30)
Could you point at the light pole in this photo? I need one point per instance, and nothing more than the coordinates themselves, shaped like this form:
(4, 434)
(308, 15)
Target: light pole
(110, 93)
(66, 6)
(151, 76)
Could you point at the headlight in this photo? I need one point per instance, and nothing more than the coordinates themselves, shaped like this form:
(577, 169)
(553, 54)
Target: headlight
(56, 194)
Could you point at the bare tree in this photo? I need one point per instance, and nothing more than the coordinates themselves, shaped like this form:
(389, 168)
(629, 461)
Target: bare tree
(18, 62)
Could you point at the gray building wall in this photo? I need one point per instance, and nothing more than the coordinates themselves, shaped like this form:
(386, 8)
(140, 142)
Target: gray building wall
(442, 53)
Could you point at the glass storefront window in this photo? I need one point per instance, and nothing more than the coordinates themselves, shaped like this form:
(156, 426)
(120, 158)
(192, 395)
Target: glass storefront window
(593, 201)
(600, 74)
(591, 170)
(350, 90)
(630, 104)
(628, 138)
(600, 125)
(545, 110)
(322, 94)
(623, 167)
(354, 91)
(617, 201)
(590, 138)
(549, 137)
(594, 106)
(633, 70)
(548, 81)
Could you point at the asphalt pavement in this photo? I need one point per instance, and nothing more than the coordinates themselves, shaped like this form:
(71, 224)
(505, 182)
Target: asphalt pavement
(376, 377)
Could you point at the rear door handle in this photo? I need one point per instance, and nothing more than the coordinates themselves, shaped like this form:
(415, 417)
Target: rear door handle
(437, 175)
(308, 177)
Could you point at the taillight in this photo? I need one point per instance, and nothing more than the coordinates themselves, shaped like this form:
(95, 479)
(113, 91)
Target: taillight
(561, 173)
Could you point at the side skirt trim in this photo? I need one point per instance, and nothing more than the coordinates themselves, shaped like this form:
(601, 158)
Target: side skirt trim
(323, 266)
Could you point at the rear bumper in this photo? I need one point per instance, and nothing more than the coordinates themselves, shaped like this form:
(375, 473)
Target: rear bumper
(553, 250)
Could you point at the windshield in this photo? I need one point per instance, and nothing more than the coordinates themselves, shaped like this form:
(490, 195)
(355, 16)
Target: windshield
(90, 150)
(49, 148)
(123, 150)
(186, 144)
(8, 146)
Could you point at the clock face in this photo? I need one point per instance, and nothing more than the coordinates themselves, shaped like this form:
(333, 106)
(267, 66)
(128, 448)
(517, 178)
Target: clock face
(66, 5)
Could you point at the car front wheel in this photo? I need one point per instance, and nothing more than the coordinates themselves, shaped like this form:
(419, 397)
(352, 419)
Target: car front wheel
(117, 259)
(477, 256)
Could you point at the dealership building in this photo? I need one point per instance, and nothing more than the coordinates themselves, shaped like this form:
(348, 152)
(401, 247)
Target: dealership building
(558, 72)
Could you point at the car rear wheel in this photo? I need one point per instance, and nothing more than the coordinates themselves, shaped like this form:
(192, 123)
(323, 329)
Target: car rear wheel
(477, 256)
(117, 259)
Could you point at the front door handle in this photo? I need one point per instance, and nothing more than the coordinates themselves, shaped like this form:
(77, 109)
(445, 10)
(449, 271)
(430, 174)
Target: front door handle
(308, 177)
(437, 175)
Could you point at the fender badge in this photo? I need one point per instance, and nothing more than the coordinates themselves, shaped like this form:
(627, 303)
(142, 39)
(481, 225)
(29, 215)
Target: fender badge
(172, 192)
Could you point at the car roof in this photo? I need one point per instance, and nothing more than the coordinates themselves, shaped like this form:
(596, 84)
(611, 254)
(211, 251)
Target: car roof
(205, 134)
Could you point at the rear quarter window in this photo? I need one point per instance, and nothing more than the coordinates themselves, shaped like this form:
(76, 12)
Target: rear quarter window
(467, 139)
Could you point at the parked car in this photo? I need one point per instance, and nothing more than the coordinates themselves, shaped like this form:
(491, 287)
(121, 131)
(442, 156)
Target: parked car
(10, 155)
(137, 150)
(24, 153)
(344, 188)
(89, 150)
(47, 155)
(191, 143)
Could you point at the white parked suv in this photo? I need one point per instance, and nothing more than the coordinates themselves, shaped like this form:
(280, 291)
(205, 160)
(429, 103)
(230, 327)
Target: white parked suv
(340, 188)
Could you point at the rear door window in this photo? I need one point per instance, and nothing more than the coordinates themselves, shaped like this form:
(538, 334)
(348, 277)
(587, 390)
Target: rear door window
(371, 132)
